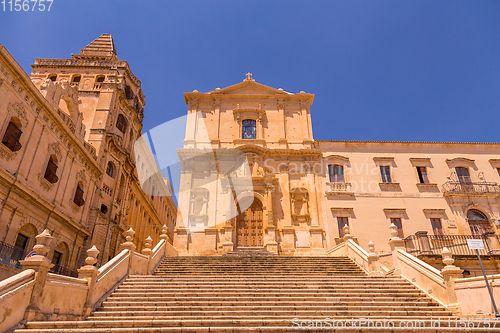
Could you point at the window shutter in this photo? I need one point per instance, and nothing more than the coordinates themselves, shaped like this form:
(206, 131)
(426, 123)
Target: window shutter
(50, 172)
(79, 197)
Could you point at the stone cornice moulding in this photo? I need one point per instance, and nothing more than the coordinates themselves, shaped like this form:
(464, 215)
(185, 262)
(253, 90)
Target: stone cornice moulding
(459, 160)
(495, 162)
(395, 210)
(336, 158)
(339, 211)
(434, 212)
(383, 159)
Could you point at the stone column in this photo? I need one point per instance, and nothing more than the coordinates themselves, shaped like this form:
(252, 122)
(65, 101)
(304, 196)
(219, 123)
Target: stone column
(450, 273)
(270, 236)
(148, 242)
(228, 244)
(492, 242)
(396, 244)
(423, 242)
(130, 246)
(41, 265)
(89, 273)
(373, 264)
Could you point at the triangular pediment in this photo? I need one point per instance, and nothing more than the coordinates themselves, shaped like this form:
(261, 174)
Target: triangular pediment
(102, 47)
(249, 87)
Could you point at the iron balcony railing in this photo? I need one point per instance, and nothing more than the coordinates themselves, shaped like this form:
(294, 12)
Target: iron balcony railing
(338, 187)
(11, 255)
(457, 244)
(469, 188)
(56, 269)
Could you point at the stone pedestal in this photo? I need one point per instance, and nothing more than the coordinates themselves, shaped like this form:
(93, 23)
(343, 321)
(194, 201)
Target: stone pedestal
(181, 240)
(316, 234)
(288, 245)
(41, 265)
(210, 240)
(271, 244)
(228, 244)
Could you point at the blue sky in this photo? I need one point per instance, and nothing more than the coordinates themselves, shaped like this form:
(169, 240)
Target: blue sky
(380, 70)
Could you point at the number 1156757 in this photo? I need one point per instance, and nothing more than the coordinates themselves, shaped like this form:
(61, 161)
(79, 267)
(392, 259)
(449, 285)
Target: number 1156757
(26, 5)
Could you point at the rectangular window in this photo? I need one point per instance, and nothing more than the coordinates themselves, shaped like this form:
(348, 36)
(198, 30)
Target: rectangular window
(498, 170)
(437, 227)
(422, 175)
(385, 171)
(336, 173)
(397, 222)
(341, 222)
(78, 200)
(50, 172)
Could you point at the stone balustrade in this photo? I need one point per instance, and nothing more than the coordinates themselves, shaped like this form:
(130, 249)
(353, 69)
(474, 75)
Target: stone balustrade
(36, 294)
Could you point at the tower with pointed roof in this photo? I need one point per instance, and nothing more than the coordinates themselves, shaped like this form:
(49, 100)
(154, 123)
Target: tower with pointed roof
(111, 104)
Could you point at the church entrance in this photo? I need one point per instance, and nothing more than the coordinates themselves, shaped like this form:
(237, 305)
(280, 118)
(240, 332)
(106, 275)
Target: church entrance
(249, 228)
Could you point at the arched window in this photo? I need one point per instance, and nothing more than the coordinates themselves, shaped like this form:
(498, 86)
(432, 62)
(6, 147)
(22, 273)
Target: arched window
(12, 135)
(129, 94)
(336, 172)
(478, 222)
(104, 209)
(249, 129)
(76, 79)
(110, 170)
(78, 199)
(99, 79)
(51, 170)
(53, 77)
(121, 123)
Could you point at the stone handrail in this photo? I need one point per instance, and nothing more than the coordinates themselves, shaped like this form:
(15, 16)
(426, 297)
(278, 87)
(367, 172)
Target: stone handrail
(358, 255)
(157, 256)
(473, 295)
(110, 275)
(123, 255)
(368, 262)
(35, 294)
(15, 295)
(423, 276)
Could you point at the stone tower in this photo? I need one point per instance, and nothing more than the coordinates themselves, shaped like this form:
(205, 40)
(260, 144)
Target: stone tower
(111, 103)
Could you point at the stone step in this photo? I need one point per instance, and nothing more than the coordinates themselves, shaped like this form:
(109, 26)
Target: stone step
(110, 304)
(160, 299)
(252, 293)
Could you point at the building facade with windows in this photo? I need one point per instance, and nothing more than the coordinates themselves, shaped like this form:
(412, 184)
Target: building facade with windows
(67, 159)
(304, 191)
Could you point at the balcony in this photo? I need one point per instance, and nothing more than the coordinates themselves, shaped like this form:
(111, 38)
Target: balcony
(432, 245)
(464, 186)
(470, 189)
(338, 189)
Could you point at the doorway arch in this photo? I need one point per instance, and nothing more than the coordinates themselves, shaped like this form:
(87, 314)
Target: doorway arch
(249, 224)
(478, 222)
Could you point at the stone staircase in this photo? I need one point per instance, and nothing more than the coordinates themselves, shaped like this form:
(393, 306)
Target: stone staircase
(262, 293)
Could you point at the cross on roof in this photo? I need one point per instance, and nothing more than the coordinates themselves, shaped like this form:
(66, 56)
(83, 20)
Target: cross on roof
(249, 76)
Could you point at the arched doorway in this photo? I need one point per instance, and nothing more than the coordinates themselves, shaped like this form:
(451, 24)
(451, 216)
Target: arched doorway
(249, 228)
(478, 222)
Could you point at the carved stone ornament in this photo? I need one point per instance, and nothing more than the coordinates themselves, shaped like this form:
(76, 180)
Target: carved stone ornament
(45, 184)
(17, 109)
(6, 153)
(81, 177)
(73, 206)
(55, 148)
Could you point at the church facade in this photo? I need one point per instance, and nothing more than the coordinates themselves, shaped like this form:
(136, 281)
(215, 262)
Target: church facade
(293, 195)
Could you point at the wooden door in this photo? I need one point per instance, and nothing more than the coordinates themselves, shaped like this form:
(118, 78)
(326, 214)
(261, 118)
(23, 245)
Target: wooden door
(249, 228)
